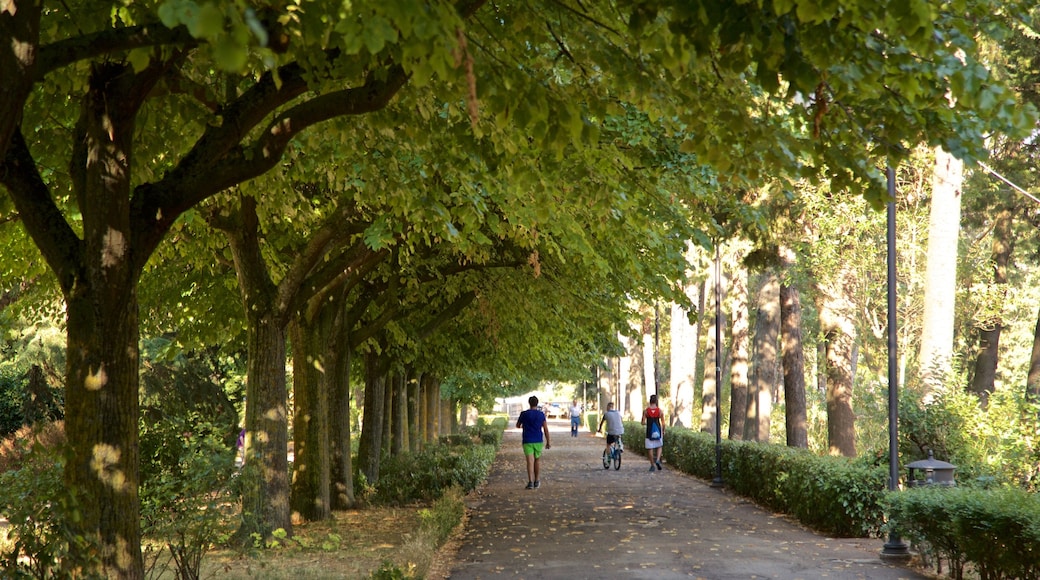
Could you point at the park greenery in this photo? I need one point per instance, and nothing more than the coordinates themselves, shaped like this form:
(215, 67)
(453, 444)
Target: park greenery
(337, 228)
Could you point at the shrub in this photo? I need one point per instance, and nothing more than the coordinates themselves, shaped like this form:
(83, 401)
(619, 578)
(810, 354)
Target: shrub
(41, 512)
(187, 492)
(997, 531)
(424, 476)
(833, 495)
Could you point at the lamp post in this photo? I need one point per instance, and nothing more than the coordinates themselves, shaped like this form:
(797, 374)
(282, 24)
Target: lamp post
(717, 481)
(895, 548)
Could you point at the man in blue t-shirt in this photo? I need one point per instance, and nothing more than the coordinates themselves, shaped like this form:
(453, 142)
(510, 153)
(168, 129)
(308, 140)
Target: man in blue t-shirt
(534, 425)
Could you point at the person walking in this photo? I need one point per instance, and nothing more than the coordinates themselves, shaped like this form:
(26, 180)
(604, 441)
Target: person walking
(653, 419)
(575, 412)
(615, 426)
(534, 425)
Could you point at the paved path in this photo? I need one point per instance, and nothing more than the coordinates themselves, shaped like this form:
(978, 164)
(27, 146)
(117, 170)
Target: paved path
(587, 522)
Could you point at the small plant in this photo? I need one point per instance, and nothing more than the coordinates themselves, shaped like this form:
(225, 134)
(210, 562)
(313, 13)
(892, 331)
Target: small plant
(390, 571)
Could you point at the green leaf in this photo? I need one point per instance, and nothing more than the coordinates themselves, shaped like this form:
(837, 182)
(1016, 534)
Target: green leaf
(378, 32)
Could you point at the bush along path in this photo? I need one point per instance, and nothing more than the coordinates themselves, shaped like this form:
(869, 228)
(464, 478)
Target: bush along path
(586, 521)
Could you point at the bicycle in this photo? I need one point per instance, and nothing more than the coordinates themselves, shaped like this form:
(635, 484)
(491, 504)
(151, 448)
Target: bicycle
(614, 454)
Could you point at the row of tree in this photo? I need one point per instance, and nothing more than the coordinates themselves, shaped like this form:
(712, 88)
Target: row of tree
(372, 172)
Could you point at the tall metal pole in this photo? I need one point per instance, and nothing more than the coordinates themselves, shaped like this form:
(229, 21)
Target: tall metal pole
(894, 548)
(717, 482)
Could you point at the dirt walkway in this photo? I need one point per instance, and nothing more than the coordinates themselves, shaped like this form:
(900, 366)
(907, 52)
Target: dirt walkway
(587, 522)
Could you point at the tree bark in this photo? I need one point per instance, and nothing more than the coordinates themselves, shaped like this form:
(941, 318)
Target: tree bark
(400, 427)
(709, 391)
(311, 481)
(940, 285)
(767, 326)
(738, 299)
(683, 356)
(388, 412)
(839, 334)
(649, 356)
(984, 378)
(341, 469)
(414, 413)
(796, 422)
(370, 444)
(1033, 377)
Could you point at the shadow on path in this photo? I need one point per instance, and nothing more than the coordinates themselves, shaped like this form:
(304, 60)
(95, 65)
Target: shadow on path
(588, 522)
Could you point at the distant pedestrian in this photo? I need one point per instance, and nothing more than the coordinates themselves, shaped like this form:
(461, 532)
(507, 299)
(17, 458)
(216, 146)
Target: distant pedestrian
(652, 418)
(575, 411)
(534, 426)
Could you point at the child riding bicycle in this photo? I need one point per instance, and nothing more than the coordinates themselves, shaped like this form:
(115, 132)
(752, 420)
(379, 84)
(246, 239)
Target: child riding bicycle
(615, 426)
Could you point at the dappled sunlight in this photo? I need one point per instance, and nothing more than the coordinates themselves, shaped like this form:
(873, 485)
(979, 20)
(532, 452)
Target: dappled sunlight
(114, 248)
(104, 463)
(96, 380)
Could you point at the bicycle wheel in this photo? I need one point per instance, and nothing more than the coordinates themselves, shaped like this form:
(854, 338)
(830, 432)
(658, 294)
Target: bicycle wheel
(606, 459)
(617, 459)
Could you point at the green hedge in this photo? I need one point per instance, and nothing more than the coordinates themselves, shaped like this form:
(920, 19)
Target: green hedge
(833, 495)
(996, 531)
(592, 421)
(461, 460)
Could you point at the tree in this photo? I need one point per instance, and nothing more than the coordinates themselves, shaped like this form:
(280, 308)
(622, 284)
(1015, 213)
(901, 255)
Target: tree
(176, 104)
(941, 272)
(739, 369)
(764, 359)
(793, 356)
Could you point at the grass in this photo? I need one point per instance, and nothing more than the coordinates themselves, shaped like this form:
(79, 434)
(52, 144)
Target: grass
(353, 544)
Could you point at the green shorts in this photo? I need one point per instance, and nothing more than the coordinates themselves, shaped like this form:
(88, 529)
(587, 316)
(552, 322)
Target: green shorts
(533, 449)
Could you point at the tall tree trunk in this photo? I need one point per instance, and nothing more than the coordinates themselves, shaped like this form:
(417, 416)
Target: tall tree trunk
(101, 411)
(98, 277)
(415, 412)
(433, 395)
(341, 469)
(795, 412)
(738, 376)
(767, 327)
(265, 496)
(649, 356)
(985, 375)
(839, 334)
(709, 392)
(940, 285)
(449, 418)
(370, 444)
(683, 357)
(1033, 377)
(400, 403)
(388, 412)
(311, 481)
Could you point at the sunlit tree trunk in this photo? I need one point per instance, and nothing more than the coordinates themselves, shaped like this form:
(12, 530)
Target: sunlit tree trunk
(940, 285)
(265, 496)
(838, 332)
(795, 413)
(1033, 377)
(683, 358)
(709, 392)
(739, 368)
(649, 370)
(767, 325)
